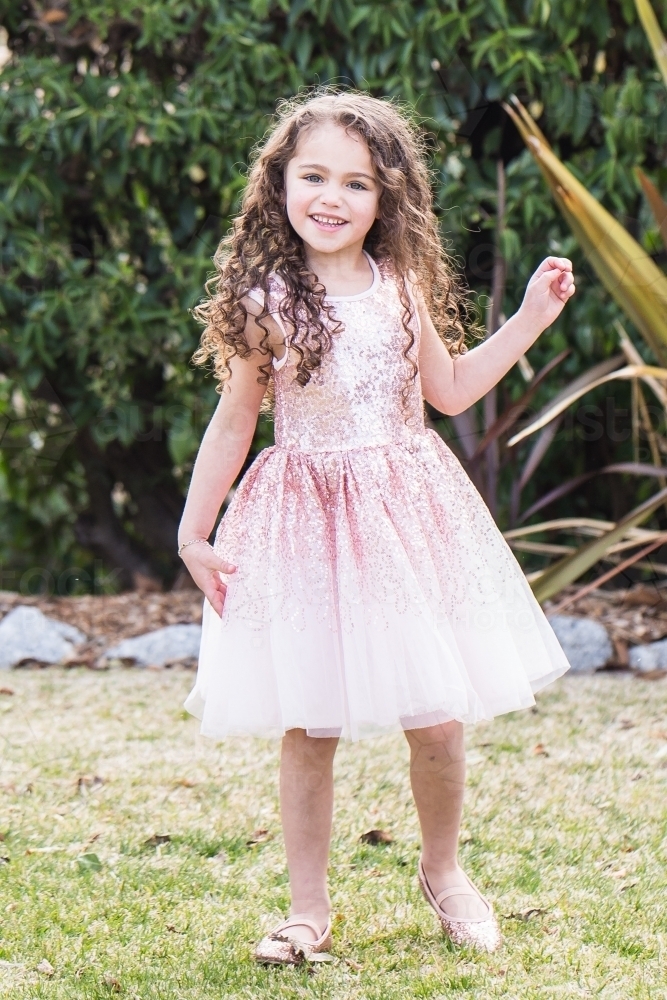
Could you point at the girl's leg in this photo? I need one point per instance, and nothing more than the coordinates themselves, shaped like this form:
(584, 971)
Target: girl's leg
(437, 775)
(306, 804)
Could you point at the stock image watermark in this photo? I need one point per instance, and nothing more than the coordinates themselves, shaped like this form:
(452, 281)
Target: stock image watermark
(42, 581)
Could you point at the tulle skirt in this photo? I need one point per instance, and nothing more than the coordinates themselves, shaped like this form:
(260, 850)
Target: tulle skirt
(373, 593)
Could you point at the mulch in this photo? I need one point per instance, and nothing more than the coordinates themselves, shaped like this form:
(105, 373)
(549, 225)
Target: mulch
(633, 615)
(117, 616)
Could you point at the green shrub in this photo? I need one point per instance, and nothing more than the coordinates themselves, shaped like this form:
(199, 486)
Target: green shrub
(125, 131)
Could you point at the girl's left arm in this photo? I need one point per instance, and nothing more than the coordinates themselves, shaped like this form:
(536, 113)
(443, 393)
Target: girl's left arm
(451, 385)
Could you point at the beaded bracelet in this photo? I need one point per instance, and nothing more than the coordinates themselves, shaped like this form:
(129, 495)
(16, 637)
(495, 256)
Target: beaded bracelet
(184, 545)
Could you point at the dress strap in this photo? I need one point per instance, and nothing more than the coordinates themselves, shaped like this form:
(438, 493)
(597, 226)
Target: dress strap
(258, 296)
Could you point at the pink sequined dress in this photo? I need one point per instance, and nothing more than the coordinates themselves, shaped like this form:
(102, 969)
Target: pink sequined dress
(373, 590)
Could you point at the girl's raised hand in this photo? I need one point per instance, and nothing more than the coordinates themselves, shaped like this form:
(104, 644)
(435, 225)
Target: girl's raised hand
(205, 567)
(547, 292)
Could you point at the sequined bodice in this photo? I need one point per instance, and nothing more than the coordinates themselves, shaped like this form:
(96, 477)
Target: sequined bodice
(354, 399)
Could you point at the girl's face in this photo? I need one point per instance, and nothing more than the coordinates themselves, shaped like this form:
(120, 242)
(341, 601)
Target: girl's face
(332, 195)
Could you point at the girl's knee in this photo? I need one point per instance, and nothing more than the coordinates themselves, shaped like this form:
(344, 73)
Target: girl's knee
(444, 732)
(312, 748)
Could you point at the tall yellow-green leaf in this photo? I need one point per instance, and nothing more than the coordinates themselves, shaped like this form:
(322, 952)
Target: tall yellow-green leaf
(622, 265)
(569, 569)
(654, 34)
(565, 400)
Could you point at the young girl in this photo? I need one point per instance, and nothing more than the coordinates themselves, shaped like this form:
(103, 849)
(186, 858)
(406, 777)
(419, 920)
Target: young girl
(357, 584)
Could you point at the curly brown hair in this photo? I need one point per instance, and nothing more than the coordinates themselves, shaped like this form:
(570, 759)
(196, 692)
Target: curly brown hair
(261, 240)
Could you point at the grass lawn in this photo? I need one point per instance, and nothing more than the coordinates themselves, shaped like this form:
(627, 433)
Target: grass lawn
(564, 829)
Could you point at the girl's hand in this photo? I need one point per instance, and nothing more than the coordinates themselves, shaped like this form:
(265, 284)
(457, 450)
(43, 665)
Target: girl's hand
(547, 292)
(205, 568)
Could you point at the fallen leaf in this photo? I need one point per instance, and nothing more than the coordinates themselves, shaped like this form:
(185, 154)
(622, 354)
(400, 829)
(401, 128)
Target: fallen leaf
(376, 837)
(86, 658)
(89, 783)
(89, 862)
(626, 724)
(659, 734)
(643, 593)
(532, 911)
(258, 837)
(185, 783)
(7, 691)
(45, 967)
(539, 750)
(157, 840)
(353, 965)
(112, 983)
(3, 835)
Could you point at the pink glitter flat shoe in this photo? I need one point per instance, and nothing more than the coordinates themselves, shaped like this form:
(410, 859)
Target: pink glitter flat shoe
(482, 933)
(281, 948)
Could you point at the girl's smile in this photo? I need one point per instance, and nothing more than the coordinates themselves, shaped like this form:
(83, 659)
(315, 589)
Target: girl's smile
(328, 223)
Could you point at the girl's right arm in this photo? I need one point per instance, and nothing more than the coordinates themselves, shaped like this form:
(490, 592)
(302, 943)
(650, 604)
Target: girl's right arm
(221, 455)
(451, 385)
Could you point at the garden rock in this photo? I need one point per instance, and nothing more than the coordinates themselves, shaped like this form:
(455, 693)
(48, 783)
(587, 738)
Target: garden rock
(27, 634)
(160, 648)
(586, 643)
(652, 656)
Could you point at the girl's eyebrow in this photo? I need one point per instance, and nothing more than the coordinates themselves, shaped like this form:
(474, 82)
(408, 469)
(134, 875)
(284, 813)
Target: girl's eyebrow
(325, 170)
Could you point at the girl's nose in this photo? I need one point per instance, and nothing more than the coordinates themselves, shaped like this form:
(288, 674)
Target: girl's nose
(331, 197)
